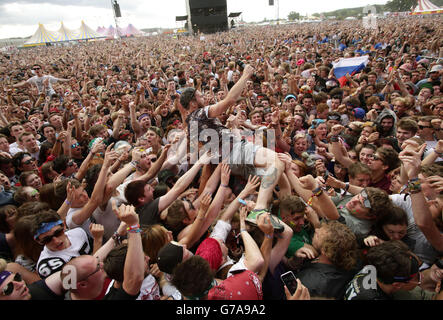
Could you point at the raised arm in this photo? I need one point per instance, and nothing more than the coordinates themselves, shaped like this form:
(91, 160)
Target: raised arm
(182, 183)
(235, 92)
(253, 258)
(420, 206)
(134, 269)
(82, 215)
(305, 188)
(217, 203)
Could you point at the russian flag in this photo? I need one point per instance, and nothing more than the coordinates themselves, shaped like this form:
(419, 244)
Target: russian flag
(349, 65)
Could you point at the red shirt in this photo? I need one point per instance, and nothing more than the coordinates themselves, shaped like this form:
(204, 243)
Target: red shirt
(241, 286)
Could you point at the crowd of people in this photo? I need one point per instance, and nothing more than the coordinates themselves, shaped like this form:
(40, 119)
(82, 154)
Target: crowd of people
(114, 184)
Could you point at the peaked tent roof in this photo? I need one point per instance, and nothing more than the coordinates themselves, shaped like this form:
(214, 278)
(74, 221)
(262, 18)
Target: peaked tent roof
(101, 30)
(86, 32)
(426, 7)
(131, 30)
(43, 36)
(67, 34)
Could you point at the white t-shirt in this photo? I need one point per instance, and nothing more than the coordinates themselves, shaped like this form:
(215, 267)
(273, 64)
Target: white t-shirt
(150, 290)
(50, 262)
(416, 240)
(107, 218)
(14, 148)
(71, 225)
(221, 231)
(38, 82)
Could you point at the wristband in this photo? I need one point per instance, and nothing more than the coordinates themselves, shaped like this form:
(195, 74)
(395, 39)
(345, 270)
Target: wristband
(243, 230)
(333, 139)
(224, 185)
(315, 193)
(414, 186)
(243, 202)
(67, 202)
(269, 236)
(134, 227)
(439, 154)
(117, 238)
(135, 230)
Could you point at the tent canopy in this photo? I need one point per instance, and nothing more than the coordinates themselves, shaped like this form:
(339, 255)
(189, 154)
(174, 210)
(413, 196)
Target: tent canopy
(43, 36)
(426, 7)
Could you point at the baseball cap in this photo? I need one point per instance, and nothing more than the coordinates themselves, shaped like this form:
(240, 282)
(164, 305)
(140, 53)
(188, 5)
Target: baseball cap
(436, 68)
(164, 175)
(186, 97)
(169, 256)
(359, 113)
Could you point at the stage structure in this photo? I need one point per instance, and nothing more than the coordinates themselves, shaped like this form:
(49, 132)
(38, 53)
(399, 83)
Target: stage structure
(207, 16)
(117, 14)
(234, 19)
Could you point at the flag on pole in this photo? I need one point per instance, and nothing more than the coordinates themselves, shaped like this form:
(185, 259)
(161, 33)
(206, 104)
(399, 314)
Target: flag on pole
(349, 65)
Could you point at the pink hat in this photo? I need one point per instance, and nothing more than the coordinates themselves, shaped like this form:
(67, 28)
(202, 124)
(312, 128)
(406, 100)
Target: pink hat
(300, 62)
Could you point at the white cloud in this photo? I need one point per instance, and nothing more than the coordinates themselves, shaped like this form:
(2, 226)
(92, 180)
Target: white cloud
(21, 18)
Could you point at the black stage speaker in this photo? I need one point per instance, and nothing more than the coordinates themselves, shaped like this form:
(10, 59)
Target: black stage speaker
(208, 16)
(117, 11)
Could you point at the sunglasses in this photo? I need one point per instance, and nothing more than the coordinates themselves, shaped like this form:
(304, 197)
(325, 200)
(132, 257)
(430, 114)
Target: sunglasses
(75, 145)
(153, 159)
(423, 127)
(57, 233)
(375, 158)
(36, 68)
(70, 163)
(366, 202)
(29, 161)
(191, 206)
(9, 288)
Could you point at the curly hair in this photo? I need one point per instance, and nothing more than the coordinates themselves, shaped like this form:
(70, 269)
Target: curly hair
(380, 202)
(193, 276)
(340, 245)
(391, 258)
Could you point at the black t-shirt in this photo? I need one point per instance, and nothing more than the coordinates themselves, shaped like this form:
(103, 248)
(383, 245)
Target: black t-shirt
(118, 294)
(325, 280)
(40, 291)
(356, 291)
(148, 213)
(5, 251)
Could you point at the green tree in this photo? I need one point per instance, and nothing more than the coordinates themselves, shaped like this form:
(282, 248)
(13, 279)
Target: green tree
(400, 5)
(293, 16)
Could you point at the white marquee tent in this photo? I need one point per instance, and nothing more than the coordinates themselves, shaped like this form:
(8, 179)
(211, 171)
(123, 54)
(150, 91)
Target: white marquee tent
(43, 36)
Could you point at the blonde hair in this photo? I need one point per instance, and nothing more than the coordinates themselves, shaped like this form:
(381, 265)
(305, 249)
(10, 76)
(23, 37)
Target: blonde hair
(154, 238)
(3, 265)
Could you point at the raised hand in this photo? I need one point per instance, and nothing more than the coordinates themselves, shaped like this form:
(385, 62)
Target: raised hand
(97, 230)
(411, 161)
(251, 186)
(308, 182)
(265, 225)
(204, 206)
(126, 214)
(225, 174)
